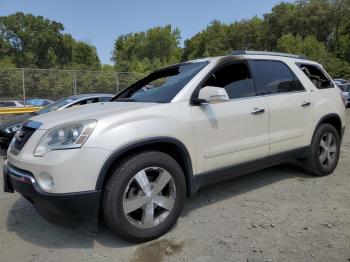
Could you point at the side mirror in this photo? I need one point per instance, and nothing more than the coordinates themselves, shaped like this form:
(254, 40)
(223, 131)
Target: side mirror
(212, 95)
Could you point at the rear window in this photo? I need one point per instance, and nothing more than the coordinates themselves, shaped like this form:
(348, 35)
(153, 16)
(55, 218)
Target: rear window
(316, 75)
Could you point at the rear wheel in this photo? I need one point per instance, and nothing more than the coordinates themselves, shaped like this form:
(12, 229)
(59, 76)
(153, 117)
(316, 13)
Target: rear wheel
(324, 153)
(144, 196)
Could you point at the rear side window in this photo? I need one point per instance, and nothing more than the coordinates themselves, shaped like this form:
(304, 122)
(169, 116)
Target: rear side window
(274, 77)
(317, 77)
(5, 104)
(235, 79)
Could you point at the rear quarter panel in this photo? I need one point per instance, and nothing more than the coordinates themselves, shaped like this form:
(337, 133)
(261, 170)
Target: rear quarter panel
(324, 101)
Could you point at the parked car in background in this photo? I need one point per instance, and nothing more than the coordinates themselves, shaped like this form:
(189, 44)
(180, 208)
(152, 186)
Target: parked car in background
(11, 126)
(346, 92)
(340, 81)
(38, 102)
(134, 159)
(13, 103)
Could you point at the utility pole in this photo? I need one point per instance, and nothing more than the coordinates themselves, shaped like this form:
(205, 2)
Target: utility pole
(74, 84)
(24, 88)
(117, 78)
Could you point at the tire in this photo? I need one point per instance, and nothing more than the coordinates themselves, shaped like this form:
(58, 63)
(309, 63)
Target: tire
(314, 164)
(128, 183)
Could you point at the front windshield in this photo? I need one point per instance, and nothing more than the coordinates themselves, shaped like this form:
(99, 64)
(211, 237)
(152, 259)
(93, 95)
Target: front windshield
(161, 86)
(57, 105)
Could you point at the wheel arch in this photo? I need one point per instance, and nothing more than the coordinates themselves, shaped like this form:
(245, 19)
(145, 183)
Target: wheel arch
(332, 119)
(168, 145)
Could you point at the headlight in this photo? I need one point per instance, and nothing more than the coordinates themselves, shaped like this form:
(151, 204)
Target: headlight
(67, 136)
(12, 129)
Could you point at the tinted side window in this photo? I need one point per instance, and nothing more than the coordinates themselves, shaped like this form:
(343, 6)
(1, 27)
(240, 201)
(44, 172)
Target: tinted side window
(317, 77)
(274, 77)
(236, 80)
(7, 104)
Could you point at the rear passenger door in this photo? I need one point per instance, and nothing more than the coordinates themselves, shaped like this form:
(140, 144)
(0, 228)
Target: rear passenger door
(289, 105)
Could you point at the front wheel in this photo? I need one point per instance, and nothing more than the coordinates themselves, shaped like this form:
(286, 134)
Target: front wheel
(324, 153)
(144, 196)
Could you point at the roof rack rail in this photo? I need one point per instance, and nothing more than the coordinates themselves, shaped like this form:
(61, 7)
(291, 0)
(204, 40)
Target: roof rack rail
(243, 52)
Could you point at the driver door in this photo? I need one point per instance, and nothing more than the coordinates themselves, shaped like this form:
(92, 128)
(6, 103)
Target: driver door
(235, 131)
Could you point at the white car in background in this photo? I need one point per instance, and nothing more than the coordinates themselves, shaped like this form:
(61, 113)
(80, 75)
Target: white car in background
(346, 92)
(12, 103)
(10, 126)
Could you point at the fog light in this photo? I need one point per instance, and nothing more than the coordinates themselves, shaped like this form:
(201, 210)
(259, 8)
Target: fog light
(45, 181)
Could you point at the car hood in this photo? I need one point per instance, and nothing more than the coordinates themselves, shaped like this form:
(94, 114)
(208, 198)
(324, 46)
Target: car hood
(15, 120)
(86, 112)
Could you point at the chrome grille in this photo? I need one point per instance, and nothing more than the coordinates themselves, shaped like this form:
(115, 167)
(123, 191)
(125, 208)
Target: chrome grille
(22, 136)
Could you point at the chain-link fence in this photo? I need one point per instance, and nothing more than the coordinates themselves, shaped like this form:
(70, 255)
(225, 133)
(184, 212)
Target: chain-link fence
(22, 84)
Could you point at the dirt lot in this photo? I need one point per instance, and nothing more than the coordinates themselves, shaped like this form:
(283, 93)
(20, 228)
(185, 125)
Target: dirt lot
(278, 214)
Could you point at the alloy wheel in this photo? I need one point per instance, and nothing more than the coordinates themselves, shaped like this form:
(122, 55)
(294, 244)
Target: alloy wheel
(149, 197)
(327, 150)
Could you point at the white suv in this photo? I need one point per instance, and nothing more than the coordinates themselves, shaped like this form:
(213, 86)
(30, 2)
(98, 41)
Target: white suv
(135, 159)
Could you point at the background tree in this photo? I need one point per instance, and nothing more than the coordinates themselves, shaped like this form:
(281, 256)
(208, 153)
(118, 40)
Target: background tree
(35, 42)
(319, 29)
(146, 51)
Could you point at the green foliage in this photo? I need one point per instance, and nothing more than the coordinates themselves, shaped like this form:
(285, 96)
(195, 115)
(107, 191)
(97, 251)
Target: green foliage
(319, 29)
(211, 41)
(308, 47)
(218, 38)
(146, 51)
(314, 50)
(28, 41)
(344, 47)
(35, 42)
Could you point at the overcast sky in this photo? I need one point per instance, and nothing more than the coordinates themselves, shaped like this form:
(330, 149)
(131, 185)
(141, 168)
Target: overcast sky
(101, 22)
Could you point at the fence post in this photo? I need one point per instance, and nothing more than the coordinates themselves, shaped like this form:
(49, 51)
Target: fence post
(24, 88)
(117, 78)
(74, 84)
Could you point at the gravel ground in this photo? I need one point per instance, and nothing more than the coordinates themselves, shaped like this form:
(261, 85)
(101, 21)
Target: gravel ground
(278, 214)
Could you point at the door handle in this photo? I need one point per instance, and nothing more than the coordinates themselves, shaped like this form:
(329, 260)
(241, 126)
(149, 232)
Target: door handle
(257, 110)
(305, 104)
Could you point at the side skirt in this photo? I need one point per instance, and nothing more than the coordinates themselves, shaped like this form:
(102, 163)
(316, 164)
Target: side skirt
(219, 175)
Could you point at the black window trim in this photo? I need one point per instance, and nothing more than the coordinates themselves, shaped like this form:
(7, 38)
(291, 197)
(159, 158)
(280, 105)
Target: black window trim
(261, 93)
(195, 93)
(322, 71)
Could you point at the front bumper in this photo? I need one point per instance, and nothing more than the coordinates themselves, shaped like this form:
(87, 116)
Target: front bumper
(74, 210)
